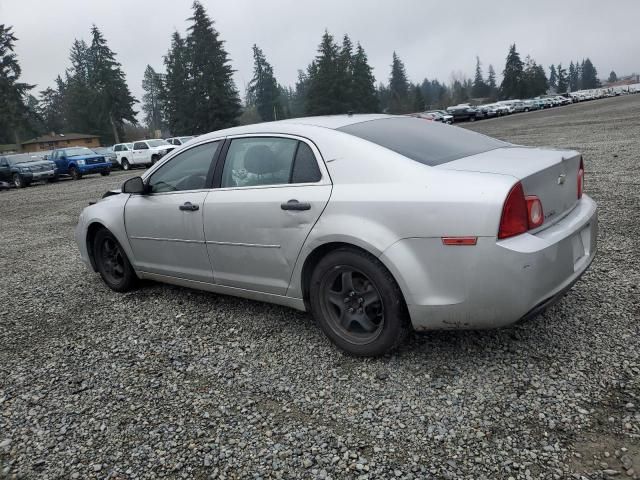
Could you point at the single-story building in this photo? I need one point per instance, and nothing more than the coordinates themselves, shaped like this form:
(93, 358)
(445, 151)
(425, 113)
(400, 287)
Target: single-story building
(60, 140)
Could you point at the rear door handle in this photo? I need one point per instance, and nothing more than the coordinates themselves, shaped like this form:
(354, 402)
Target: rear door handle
(295, 205)
(189, 207)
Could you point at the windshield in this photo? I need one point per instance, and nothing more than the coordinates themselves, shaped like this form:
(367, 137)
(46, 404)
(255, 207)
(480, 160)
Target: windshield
(185, 139)
(77, 151)
(429, 143)
(157, 143)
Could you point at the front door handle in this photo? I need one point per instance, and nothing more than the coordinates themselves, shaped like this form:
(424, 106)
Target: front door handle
(189, 207)
(295, 205)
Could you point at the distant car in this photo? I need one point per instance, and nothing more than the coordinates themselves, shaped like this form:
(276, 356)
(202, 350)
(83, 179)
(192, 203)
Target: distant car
(373, 223)
(122, 151)
(431, 116)
(144, 153)
(109, 154)
(446, 116)
(488, 111)
(24, 169)
(563, 100)
(178, 141)
(530, 105)
(463, 113)
(79, 161)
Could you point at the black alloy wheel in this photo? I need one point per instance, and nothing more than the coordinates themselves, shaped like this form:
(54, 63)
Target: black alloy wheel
(112, 262)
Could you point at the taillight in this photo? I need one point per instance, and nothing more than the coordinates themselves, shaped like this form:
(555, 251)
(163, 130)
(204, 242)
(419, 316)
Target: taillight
(520, 213)
(535, 214)
(514, 220)
(580, 178)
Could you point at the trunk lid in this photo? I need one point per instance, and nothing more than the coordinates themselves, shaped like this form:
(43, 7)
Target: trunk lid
(551, 175)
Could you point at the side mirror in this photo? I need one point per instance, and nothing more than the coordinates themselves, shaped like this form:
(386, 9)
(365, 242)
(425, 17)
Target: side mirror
(134, 185)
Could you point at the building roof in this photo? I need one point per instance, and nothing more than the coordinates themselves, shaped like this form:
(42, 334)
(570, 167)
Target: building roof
(58, 137)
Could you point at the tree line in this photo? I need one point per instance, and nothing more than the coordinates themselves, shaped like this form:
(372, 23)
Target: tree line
(197, 94)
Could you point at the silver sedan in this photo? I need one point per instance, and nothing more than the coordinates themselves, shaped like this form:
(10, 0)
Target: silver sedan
(375, 224)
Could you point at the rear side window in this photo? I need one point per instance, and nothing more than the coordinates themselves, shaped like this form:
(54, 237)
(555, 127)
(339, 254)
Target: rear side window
(429, 143)
(305, 166)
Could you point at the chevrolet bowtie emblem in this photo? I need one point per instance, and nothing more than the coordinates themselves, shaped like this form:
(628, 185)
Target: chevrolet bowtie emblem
(561, 179)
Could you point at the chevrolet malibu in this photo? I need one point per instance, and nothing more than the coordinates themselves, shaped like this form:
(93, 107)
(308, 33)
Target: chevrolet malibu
(375, 224)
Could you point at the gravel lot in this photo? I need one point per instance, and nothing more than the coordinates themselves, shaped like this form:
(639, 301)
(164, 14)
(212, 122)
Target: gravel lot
(169, 382)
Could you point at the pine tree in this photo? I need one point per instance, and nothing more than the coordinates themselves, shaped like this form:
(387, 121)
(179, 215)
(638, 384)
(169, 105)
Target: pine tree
(398, 87)
(417, 99)
(512, 82)
(323, 86)
(51, 109)
(612, 77)
(534, 80)
(480, 89)
(216, 103)
(264, 89)
(492, 87)
(562, 81)
(152, 99)
(573, 77)
(345, 74)
(177, 97)
(365, 99)
(13, 111)
(553, 77)
(78, 99)
(589, 75)
(299, 95)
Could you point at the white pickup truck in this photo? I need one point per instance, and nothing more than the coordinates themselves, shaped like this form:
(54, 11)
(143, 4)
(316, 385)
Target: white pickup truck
(142, 152)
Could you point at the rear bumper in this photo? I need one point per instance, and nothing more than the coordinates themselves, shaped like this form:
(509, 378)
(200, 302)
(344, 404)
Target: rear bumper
(493, 283)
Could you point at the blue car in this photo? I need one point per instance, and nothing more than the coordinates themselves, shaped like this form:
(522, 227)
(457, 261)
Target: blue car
(79, 161)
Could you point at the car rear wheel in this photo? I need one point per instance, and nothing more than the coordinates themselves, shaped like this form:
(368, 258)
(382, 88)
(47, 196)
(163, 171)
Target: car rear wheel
(357, 303)
(18, 181)
(125, 164)
(75, 174)
(113, 264)
(104, 174)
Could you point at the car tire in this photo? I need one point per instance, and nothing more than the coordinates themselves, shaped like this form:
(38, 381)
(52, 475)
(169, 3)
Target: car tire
(526, 109)
(75, 174)
(357, 303)
(18, 181)
(112, 262)
(125, 164)
(472, 119)
(105, 174)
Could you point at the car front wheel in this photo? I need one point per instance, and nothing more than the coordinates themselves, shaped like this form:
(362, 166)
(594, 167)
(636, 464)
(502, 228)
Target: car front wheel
(18, 181)
(112, 262)
(75, 174)
(125, 164)
(357, 303)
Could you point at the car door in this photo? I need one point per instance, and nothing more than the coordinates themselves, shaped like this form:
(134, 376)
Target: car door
(164, 226)
(271, 192)
(5, 169)
(140, 153)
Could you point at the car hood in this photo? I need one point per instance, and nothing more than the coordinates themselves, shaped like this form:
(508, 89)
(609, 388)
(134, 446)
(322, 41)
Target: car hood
(37, 163)
(85, 157)
(163, 147)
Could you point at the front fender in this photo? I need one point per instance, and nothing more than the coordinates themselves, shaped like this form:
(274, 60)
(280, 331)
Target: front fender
(108, 212)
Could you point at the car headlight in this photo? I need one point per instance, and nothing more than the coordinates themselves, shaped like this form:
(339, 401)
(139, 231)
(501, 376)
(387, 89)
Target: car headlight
(81, 162)
(25, 169)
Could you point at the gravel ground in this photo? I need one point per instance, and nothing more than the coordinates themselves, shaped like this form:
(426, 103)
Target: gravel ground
(174, 383)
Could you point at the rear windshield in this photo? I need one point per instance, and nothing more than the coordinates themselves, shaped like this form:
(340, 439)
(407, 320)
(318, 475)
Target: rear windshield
(429, 143)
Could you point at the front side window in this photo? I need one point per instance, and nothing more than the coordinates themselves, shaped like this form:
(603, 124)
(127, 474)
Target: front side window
(259, 161)
(140, 146)
(186, 171)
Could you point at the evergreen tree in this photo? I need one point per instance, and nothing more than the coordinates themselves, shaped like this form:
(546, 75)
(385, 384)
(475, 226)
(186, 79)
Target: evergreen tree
(177, 97)
(324, 88)
(365, 99)
(553, 77)
(345, 74)
(589, 75)
(460, 90)
(13, 111)
(152, 99)
(299, 95)
(574, 77)
(78, 97)
(512, 82)
(612, 77)
(480, 89)
(562, 81)
(51, 109)
(113, 101)
(264, 89)
(534, 80)
(215, 100)
(417, 99)
(491, 83)
(398, 87)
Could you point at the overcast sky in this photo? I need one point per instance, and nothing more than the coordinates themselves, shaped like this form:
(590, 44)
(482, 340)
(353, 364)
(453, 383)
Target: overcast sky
(433, 38)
